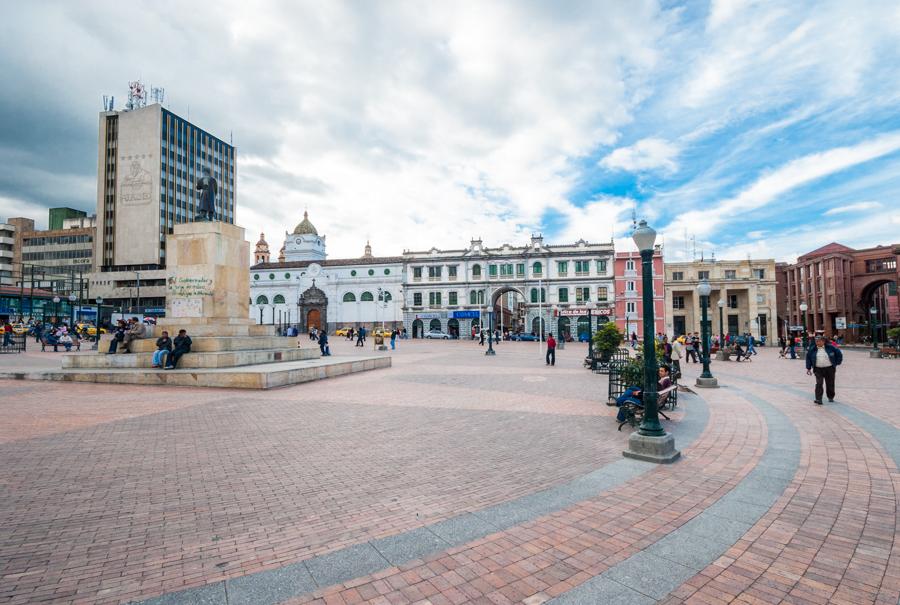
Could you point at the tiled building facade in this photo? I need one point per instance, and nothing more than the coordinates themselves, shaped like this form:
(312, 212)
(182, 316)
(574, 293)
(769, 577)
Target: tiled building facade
(629, 313)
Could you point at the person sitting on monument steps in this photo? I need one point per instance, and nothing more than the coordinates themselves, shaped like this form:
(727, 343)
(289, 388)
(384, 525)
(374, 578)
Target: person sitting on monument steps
(135, 331)
(163, 348)
(182, 345)
(635, 395)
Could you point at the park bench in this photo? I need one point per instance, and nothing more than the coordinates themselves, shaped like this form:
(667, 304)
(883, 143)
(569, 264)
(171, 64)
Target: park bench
(890, 353)
(634, 413)
(76, 344)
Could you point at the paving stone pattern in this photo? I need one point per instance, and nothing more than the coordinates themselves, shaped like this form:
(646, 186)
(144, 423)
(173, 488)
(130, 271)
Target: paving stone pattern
(454, 479)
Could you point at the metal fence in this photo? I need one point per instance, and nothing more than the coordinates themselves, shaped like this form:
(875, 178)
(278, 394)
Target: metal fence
(617, 363)
(13, 343)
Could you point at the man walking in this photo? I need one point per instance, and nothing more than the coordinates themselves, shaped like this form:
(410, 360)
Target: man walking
(823, 360)
(551, 350)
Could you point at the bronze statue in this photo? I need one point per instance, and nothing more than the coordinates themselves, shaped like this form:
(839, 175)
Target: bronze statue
(208, 188)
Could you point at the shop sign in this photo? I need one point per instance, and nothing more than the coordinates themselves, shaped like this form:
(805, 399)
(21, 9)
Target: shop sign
(466, 314)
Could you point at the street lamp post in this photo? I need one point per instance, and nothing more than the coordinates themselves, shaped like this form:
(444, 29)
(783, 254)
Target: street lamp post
(72, 299)
(650, 442)
(590, 308)
(873, 313)
(722, 355)
(803, 308)
(560, 338)
(56, 308)
(490, 349)
(706, 379)
(97, 324)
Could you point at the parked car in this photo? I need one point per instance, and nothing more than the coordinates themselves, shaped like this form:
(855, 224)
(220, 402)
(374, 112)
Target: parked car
(386, 333)
(524, 336)
(342, 332)
(91, 329)
(437, 334)
(19, 328)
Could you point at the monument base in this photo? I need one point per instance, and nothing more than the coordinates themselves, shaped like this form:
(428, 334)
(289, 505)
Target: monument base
(707, 383)
(659, 450)
(875, 354)
(723, 356)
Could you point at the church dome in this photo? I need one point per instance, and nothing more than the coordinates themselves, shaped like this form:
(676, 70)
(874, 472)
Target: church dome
(305, 227)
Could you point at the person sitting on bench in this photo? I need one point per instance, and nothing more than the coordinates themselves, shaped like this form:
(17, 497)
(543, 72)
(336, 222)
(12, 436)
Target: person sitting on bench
(634, 395)
(182, 345)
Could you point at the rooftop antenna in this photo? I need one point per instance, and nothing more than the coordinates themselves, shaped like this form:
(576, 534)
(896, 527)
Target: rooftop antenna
(713, 256)
(694, 247)
(158, 94)
(137, 95)
(686, 251)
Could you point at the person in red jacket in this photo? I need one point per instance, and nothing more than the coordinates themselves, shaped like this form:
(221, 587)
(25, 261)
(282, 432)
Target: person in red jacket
(551, 350)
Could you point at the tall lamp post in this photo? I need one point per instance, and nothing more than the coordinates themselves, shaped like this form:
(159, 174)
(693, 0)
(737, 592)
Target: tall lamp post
(650, 442)
(560, 338)
(590, 308)
(873, 313)
(721, 355)
(56, 308)
(97, 323)
(706, 379)
(72, 299)
(490, 349)
(803, 308)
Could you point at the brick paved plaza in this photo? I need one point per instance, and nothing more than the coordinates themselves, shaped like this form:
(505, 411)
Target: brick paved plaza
(451, 478)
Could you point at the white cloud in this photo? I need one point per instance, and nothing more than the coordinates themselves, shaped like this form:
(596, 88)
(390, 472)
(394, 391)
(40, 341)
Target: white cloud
(767, 189)
(646, 154)
(858, 207)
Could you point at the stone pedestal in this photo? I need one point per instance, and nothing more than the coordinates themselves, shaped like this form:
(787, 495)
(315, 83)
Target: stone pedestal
(660, 450)
(875, 354)
(707, 383)
(723, 355)
(207, 276)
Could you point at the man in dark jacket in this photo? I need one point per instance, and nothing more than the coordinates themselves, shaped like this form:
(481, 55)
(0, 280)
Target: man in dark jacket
(823, 360)
(323, 344)
(182, 345)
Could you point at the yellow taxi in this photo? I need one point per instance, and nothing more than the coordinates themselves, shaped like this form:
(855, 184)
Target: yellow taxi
(342, 332)
(19, 328)
(91, 329)
(385, 333)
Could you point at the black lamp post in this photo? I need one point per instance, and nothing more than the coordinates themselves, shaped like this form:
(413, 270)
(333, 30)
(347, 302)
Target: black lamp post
(803, 308)
(706, 379)
(56, 309)
(721, 304)
(650, 442)
(590, 308)
(97, 324)
(873, 313)
(490, 349)
(72, 315)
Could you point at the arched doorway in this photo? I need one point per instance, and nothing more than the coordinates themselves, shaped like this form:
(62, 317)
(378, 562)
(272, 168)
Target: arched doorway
(538, 326)
(313, 300)
(453, 328)
(564, 328)
(313, 319)
(418, 329)
(583, 328)
(434, 324)
(505, 314)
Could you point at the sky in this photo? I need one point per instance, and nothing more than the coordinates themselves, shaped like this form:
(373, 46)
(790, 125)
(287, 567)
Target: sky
(735, 128)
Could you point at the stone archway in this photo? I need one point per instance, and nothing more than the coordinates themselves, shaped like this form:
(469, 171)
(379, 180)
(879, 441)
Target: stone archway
(313, 306)
(509, 324)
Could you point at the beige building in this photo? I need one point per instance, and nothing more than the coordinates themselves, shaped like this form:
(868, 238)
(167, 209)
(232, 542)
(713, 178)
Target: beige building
(747, 288)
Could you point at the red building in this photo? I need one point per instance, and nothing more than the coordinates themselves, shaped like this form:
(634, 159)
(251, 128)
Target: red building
(839, 286)
(629, 290)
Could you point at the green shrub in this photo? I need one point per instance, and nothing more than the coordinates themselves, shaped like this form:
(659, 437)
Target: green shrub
(607, 339)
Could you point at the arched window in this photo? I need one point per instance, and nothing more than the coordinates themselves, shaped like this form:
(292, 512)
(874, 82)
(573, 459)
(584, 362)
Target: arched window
(366, 297)
(537, 268)
(385, 297)
(481, 297)
(349, 297)
(534, 295)
(262, 300)
(476, 271)
(278, 300)
(473, 297)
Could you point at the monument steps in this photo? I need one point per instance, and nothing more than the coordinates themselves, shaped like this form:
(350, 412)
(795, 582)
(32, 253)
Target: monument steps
(262, 376)
(211, 344)
(211, 329)
(194, 359)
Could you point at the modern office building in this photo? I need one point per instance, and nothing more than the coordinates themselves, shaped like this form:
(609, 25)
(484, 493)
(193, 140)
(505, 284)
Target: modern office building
(536, 288)
(747, 288)
(59, 215)
(840, 286)
(629, 293)
(22, 225)
(7, 247)
(149, 161)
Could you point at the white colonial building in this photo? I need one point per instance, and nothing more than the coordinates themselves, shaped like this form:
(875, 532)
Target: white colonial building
(306, 289)
(534, 288)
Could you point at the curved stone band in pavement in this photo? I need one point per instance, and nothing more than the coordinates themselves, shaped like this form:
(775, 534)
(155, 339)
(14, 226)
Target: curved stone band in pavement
(654, 572)
(274, 586)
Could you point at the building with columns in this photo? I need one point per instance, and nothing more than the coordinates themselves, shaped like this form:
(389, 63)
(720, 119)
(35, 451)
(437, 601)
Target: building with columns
(307, 289)
(532, 288)
(747, 287)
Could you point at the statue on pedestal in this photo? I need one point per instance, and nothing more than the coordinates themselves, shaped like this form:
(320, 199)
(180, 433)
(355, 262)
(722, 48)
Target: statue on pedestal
(208, 188)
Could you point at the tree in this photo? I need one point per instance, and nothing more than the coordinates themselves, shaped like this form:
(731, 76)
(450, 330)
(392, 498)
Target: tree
(607, 339)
